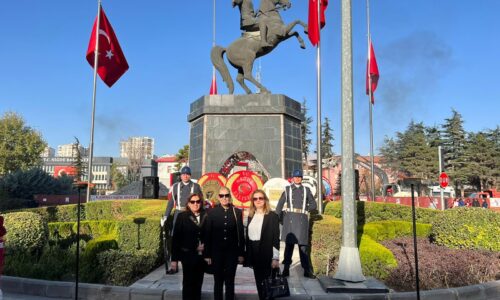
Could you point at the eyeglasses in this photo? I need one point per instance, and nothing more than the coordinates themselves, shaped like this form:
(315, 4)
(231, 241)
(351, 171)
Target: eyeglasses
(224, 196)
(258, 198)
(195, 201)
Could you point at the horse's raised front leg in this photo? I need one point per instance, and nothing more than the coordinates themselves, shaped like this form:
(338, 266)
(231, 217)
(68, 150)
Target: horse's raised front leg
(290, 26)
(247, 73)
(240, 78)
(299, 38)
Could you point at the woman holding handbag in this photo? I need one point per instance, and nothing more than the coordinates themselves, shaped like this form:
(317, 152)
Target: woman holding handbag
(263, 239)
(187, 247)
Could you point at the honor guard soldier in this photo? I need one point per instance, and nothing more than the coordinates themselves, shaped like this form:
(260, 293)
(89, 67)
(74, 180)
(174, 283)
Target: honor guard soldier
(299, 203)
(180, 192)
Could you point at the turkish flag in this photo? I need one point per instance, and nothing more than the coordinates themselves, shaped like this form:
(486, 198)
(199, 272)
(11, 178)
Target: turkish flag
(111, 63)
(213, 86)
(371, 72)
(312, 24)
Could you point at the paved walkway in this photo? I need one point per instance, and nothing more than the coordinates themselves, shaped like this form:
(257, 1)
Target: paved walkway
(244, 281)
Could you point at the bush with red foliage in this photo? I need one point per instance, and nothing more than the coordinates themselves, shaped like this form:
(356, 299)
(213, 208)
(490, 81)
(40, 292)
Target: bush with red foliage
(439, 267)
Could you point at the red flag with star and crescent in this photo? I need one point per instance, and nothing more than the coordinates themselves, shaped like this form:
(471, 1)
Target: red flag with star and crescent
(111, 63)
(371, 73)
(313, 27)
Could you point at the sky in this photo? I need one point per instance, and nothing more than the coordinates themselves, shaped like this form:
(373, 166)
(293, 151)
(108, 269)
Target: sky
(433, 56)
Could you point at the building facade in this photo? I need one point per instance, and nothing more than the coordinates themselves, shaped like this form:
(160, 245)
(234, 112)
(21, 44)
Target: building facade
(71, 150)
(137, 147)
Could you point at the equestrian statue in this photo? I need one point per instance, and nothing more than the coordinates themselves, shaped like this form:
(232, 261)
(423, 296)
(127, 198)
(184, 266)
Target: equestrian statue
(262, 32)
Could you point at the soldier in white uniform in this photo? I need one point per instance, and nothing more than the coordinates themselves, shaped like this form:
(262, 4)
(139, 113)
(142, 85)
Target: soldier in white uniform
(299, 203)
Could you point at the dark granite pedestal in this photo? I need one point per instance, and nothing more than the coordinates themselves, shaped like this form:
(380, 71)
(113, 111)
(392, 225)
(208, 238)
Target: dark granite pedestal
(369, 286)
(265, 126)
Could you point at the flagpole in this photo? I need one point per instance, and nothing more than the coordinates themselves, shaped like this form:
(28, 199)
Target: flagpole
(318, 92)
(213, 42)
(370, 104)
(96, 64)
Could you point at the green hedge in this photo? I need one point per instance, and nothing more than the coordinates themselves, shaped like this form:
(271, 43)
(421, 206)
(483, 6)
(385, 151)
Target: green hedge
(374, 211)
(385, 230)
(91, 270)
(376, 260)
(104, 210)
(468, 228)
(125, 267)
(326, 240)
(26, 232)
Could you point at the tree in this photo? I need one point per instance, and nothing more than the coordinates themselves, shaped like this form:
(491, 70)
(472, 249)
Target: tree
(182, 156)
(412, 152)
(20, 145)
(305, 131)
(135, 156)
(327, 140)
(78, 163)
(483, 161)
(118, 179)
(454, 149)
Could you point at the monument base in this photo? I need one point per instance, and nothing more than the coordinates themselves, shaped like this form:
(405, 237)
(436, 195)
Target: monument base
(258, 132)
(369, 286)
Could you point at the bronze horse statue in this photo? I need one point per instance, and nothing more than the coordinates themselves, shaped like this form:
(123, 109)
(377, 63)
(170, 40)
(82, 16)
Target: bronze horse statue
(242, 53)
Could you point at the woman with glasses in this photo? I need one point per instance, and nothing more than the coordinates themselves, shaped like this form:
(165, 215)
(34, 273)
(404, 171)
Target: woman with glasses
(187, 247)
(224, 243)
(263, 239)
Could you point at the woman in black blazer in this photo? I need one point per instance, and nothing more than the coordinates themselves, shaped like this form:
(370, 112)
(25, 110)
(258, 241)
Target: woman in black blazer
(187, 247)
(263, 239)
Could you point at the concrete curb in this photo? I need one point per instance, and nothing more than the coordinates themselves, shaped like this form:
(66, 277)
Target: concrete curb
(65, 290)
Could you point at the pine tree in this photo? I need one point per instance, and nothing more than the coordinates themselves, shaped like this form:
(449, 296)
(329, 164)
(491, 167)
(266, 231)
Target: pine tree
(482, 165)
(78, 163)
(454, 149)
(305, 131)
(327, 140)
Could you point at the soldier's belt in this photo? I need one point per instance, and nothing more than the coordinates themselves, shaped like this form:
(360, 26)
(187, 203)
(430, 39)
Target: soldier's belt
(297, 210)
(180, 207)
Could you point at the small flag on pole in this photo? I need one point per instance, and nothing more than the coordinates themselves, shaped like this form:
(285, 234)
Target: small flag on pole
(312, 26)
(111, 61)
(371, 72)
(213, 86)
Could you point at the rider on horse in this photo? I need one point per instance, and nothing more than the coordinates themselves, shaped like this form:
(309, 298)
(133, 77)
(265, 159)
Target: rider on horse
(249, 21)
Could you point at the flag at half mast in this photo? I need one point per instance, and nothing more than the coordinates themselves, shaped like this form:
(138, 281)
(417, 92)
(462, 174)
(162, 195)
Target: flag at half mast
(313, 27)
(111, 63)
(372, 73)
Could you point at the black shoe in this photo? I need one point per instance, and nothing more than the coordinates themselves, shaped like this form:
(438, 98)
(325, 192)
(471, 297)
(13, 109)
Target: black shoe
(310, 275)
(286, 272)
(171, 271)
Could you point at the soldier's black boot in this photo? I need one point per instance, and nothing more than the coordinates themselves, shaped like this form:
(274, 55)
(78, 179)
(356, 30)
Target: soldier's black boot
(286, 271)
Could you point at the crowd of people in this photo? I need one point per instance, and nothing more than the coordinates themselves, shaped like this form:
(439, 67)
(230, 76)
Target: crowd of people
(214, 240)
(475, 202)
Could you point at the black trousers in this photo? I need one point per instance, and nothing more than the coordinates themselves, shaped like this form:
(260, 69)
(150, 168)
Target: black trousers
(192, 278)
(305, 260)
(261, 269)
(224, 272)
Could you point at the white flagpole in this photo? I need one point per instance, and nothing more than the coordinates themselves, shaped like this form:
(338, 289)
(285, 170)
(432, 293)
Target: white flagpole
(319, 162)
(96, 63)
(370, 104)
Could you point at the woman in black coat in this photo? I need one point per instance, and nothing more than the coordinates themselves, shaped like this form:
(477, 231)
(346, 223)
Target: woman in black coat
(187, 247)
(263, 239)
(224, 244)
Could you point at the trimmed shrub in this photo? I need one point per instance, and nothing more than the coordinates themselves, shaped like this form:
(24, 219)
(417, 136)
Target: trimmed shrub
(125, 267)
(373, 211)
(91, 270)
(385, 230)
(376, 260)
(60, 213)
(439, 267)
(26, 232)
(140, 234)
(468, 228)
(326, 240)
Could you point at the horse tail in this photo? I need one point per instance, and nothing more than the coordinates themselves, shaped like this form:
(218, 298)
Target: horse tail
(217, 57)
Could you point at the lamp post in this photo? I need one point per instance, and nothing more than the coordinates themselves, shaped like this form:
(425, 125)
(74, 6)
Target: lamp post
(79, 185)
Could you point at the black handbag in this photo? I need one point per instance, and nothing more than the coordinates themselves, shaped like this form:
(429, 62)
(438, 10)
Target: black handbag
(276, 285)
